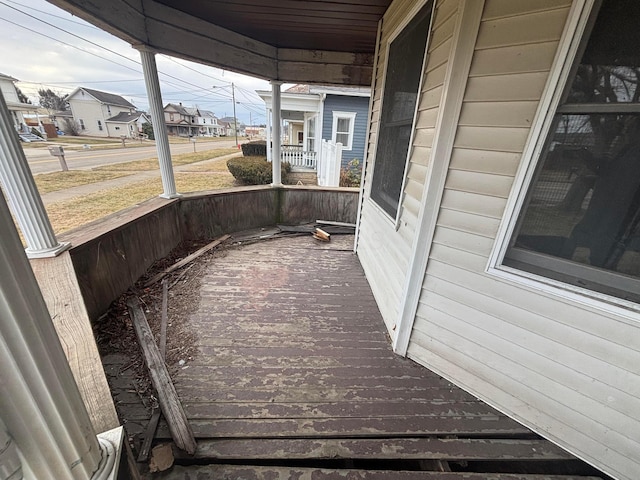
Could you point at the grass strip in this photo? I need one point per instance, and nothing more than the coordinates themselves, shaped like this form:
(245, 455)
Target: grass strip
(54, 181)
(152, 163)
(82, 210)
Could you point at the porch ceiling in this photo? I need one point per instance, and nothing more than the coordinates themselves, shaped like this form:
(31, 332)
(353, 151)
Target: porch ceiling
(315, 41)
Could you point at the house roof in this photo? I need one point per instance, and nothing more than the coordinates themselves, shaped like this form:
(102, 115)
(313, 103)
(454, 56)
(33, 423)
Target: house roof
(317, 25)
(192, 111)
(104, 97)
(207, 113)
(320, 41)
(177, 108)
(126, 117)
(8, 77)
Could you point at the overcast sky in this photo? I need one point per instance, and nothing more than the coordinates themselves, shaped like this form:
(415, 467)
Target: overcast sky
(42, 55)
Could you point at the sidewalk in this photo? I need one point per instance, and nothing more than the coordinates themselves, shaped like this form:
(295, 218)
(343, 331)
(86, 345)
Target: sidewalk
(81, 190)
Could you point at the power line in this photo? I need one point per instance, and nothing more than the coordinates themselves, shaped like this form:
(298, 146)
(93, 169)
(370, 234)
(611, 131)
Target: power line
(68, 44)
(82, 24)
(92, 43)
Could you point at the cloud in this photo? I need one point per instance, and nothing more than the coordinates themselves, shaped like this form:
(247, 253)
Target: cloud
(63, 62)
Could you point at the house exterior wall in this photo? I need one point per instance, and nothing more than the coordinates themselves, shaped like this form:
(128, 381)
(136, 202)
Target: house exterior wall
(357, 105)
(90, 111)
(8, 90)
(563, 367)
(383, 249)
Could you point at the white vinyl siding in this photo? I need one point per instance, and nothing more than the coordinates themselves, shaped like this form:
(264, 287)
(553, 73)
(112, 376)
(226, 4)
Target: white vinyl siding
(384, 251)
(567, 370)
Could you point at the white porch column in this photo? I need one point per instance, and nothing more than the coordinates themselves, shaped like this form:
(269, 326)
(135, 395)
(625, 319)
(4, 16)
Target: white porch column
(22, 192)
(157, 118)
(40, 404)
(268, 134)
(277, 133)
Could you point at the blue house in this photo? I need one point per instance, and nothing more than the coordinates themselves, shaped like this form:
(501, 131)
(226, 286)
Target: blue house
(314, 113)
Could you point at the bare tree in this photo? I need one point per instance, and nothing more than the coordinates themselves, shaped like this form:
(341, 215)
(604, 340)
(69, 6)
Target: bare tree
(71, 127)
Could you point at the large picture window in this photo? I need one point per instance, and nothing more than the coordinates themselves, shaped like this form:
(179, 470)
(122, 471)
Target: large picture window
(581, 220)
(402, 81)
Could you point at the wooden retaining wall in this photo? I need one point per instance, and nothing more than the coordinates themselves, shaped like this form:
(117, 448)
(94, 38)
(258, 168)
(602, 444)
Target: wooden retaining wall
(109, 255)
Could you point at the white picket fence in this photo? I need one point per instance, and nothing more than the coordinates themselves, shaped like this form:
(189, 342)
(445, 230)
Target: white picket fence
(297, 157)
(329, 163)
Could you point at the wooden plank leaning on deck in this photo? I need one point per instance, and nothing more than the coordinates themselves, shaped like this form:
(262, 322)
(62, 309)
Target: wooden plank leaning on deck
(179, 427)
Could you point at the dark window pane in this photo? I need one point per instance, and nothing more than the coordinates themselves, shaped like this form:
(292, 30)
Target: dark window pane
(584, 206)
(610, 67)
(581, 221)
(406, 54)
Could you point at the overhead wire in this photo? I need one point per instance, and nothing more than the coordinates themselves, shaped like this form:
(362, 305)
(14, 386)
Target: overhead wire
(246, 93)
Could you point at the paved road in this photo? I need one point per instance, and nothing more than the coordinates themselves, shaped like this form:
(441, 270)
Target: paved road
(41, 161)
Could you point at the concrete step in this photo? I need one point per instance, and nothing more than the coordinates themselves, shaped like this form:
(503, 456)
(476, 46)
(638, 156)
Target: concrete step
(303, 178)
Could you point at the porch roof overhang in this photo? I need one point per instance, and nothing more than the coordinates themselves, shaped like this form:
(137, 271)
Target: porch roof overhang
(320, 41)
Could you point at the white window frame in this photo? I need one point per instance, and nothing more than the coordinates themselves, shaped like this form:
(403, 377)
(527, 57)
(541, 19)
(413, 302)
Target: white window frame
(351, 116)
(81, 122)
(100, 125)
(372, 156)
(568, 48)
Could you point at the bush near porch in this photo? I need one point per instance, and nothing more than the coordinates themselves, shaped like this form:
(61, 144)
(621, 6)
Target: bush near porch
(254, 149)
(255, 170)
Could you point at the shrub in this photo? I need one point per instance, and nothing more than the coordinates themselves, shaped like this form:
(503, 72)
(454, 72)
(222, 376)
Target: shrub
(147, 129)
(255, 170)
(255, 149)
(350, 175)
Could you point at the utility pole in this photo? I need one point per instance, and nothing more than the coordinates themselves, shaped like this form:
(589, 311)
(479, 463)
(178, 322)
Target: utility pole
(235, 119)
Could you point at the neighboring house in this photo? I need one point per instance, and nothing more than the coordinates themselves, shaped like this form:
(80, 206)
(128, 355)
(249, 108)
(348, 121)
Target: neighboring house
(16, 107)
(208, 125)
(92, 109)
(231, 122)
(226, 129)
(60, 118)
(315, 113)
(127, 124)
(181, 121)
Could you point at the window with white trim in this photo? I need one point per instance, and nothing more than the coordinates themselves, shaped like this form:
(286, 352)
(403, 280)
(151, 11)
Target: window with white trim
(81, 124)
(580, 222)
(99, 125)
(343, 128)
(399, 100)
(311, 134)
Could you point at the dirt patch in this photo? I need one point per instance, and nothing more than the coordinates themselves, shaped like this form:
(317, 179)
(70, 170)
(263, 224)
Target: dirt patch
(118, 345)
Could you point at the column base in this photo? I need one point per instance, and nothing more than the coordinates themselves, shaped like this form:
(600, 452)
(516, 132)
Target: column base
(49, 252)
(111, 445)
(170, 196)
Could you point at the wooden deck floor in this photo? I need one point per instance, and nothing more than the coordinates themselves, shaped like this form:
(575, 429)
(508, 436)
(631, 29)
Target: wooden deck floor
(294, 372)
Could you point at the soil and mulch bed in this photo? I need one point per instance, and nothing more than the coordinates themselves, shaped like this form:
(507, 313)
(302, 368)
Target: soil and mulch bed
(122, 356)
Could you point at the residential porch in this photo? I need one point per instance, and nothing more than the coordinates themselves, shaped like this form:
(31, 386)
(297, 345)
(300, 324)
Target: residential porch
(287, 372)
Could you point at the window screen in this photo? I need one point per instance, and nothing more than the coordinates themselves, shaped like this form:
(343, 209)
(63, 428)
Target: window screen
(402, 81)
(581, 221)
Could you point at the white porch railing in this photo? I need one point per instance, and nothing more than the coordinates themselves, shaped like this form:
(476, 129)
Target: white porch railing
(329, 163)
(297, 157)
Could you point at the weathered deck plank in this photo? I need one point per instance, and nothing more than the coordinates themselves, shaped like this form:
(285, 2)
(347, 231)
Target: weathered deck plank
(291, 344)
(293, 364)
(234, 472)
(416, 449)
